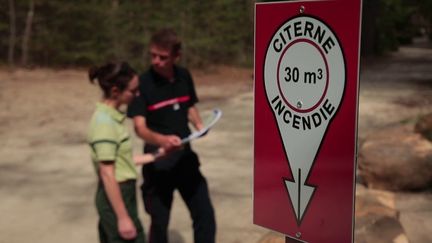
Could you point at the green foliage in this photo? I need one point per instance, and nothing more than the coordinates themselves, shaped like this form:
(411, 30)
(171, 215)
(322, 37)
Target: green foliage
(4, 31)
(425, 8)
(394, 25)
(62, 37)
(85, 32)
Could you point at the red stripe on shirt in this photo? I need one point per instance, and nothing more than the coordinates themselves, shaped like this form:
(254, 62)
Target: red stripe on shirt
(164, 103)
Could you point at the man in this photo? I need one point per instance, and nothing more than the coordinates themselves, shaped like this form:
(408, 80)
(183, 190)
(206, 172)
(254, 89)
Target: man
(161, 114)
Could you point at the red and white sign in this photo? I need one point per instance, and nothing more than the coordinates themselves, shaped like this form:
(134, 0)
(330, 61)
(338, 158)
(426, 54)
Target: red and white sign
(306, 102)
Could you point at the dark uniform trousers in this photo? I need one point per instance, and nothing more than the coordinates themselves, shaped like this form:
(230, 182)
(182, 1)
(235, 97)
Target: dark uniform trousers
(158, 189)
(108, 230)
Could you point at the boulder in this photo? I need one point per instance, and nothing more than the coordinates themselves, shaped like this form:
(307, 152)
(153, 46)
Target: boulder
(396, 159)
(377, 220)
(424, 126)
(272, 237)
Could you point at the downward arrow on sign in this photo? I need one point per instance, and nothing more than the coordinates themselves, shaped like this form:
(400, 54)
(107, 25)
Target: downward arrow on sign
(300, 193)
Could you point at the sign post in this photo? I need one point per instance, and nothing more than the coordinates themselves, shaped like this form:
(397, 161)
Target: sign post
(306, 102)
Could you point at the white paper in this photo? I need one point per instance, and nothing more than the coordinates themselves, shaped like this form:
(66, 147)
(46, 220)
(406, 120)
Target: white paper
(216, 115)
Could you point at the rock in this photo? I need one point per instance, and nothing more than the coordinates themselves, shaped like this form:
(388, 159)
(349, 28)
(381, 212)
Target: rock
(396, 159)
(377, 220)
(416, 215)
(272, 237)
(375, 202)
(424, 126)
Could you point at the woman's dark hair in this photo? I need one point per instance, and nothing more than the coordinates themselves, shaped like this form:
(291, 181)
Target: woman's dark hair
(167, 38)
(110, 75)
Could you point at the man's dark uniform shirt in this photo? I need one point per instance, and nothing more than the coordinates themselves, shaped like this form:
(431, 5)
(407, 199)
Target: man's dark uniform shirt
(165, 105)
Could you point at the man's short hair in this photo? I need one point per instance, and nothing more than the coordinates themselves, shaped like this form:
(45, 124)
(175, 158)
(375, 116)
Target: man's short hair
(167, 38)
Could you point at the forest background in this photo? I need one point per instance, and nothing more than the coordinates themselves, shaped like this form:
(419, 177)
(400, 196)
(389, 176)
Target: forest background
(79, 33)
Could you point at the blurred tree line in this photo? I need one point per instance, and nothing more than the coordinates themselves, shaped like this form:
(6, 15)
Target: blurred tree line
(60, 33)
(387, 24)
(83, 32)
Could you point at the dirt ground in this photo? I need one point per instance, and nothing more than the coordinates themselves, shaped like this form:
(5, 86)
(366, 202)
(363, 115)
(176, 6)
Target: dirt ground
(47, 183)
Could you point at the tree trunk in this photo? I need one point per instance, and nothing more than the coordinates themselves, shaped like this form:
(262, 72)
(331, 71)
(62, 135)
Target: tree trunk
(27, 34)
(12, 36)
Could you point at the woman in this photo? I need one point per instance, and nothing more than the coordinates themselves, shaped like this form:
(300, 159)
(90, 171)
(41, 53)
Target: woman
(112, 155)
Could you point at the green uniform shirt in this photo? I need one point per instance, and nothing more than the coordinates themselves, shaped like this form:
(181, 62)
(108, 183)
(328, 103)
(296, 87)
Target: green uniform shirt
(109, 140)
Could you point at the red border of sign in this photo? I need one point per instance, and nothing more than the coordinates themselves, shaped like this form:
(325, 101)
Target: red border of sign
(272, 208)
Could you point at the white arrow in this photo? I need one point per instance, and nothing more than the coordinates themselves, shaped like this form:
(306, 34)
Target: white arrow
(300, 194)
(301, 148)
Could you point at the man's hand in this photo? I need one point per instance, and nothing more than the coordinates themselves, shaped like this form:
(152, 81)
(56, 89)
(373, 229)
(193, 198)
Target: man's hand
(195, 118)
(126, 228)
(170, 142)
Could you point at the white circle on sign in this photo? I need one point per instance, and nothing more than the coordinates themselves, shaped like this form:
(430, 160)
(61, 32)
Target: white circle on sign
(304, 68)
(302, 75)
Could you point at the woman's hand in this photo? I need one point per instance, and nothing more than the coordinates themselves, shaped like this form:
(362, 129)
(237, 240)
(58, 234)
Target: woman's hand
(126, 228)
(143, 159)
